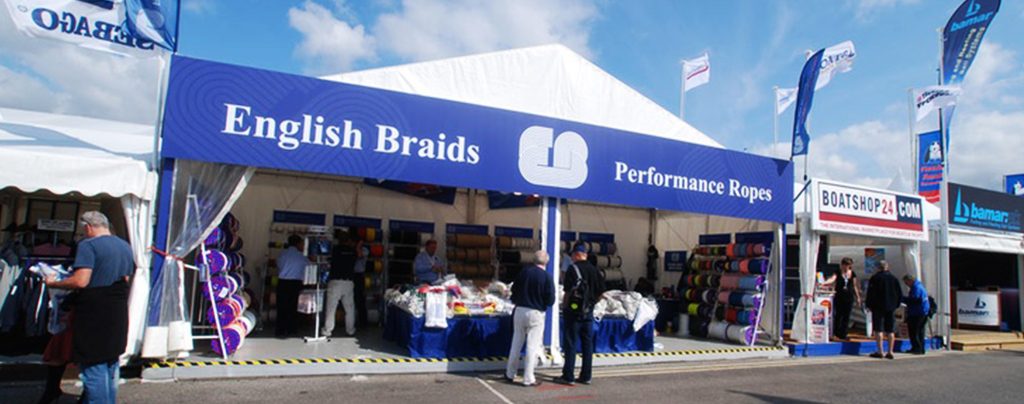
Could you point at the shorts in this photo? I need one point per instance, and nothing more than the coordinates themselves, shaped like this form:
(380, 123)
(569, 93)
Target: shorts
(884, 321)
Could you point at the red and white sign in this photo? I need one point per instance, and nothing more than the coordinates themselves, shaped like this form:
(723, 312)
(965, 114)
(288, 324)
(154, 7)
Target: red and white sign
(852, 209)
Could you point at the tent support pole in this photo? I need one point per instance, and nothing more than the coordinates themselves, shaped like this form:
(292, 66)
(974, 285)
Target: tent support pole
(551, 229)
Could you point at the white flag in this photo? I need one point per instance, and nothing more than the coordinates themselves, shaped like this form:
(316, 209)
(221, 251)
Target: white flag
(93, 25)
(784, 97)
(696, 72)
(836, 59)
(931, 98)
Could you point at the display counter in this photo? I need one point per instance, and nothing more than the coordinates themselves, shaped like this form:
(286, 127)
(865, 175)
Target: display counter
(465, 337)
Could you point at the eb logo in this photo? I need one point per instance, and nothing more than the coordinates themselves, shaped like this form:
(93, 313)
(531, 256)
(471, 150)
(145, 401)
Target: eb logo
(549, 161)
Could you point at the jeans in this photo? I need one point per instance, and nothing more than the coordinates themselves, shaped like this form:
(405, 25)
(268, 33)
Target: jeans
(99, 382)
(340, 289)
(582, 329)
(528, 326)
(915, 327)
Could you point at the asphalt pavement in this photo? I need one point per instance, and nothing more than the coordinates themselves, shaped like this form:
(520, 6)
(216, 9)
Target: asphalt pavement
(991, 377)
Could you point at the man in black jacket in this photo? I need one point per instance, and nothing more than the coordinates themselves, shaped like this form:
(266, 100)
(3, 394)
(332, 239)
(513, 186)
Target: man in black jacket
(532, 292)
(103, 264)
(583, 287)
(884, 294)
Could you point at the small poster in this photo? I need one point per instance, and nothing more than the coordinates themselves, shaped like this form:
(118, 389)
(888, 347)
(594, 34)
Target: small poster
(821, 320)
(872, 259)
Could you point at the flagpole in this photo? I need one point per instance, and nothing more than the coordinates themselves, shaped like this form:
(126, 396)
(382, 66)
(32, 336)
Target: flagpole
(942, 131)
(775, 121)
(913, 141)
(682, 93)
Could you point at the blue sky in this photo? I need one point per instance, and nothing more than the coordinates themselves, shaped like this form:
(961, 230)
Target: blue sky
(859, 124)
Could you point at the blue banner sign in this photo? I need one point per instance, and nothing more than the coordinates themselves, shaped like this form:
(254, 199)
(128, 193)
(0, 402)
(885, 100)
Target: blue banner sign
(406, 225)
(466, 229)
(353, 221)
(675, 261)
(237, 115)
(516, 232)
(1014, 184)
(962, 37)
(804, 99)
(763, 237)
(984, 209)
(436, 193)
(568, 236)
(930, 158)
(714, 239)
(597, 237)
(287, 216)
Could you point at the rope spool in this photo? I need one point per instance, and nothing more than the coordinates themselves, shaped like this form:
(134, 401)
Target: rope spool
(230, 223)
(235, 333)
(609, 261)
(227, 310)
(740, 334)
(217, 260)
(235, 243)
(378, 266)
(223, 286)
(369, 234)
(718, 329)
(215, 239)
(613, 275)
(469, 240)
(757, 266)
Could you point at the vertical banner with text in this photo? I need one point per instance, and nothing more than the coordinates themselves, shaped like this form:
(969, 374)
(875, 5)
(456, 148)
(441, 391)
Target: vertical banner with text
(929, 166)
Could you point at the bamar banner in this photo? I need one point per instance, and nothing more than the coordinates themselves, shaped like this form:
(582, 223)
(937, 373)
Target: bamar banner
(852, 209)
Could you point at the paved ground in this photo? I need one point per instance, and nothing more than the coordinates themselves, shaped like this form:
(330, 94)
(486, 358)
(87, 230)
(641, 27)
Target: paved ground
(991, 377)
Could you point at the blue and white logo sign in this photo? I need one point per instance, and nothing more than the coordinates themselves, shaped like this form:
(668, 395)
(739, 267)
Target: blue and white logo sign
(1014, 184)
(89, 24)
(962, 37)
(236, 115)
(980, 308)
(984, 209)
(554, 162)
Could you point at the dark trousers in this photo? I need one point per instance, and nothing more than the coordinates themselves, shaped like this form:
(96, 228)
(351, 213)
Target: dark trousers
(841, 319)
(915, 327)
(582, 329)
(360, 297)
(287, 306)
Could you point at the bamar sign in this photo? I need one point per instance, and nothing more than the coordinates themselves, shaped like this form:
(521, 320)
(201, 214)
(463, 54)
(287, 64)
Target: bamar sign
(852, 209)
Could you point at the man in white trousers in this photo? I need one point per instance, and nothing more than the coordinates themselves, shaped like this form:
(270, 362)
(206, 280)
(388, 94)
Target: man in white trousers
(340, 285)
(533, 293)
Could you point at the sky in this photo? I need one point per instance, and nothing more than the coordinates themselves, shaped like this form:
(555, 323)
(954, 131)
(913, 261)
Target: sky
(859, 126)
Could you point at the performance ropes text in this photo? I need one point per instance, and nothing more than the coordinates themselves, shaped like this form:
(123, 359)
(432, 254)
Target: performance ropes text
(651, 177)
(290, 134)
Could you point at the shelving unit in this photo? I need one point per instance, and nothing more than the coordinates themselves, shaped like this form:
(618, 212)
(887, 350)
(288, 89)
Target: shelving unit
(371, 232)
(284, 224)
(405, 240)
(515, 248)
(726, 287)
(470, 251)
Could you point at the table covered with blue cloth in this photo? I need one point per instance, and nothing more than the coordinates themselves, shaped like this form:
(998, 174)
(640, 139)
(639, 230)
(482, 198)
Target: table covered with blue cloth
(615, 335)
(465, 337)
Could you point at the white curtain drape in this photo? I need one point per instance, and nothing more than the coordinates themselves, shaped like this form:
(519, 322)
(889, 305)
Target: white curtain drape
(809, 245)
(137, 214)
(215, 188)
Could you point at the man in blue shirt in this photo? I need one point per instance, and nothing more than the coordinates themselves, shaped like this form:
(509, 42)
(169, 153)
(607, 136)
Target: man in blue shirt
(917, 312)
(291, 266)
(532, 292)
(102, 267)
(428, 267)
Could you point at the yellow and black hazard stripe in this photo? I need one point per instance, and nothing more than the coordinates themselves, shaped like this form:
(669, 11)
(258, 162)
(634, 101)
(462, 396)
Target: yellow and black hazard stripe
(489, 359)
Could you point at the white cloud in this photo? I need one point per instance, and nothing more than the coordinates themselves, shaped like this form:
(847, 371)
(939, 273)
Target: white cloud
(986, 146)
(430, 29)
(994, 79)
(330, 44)
(869, 153)
(199, 6)
(73, 80)
(866, 9)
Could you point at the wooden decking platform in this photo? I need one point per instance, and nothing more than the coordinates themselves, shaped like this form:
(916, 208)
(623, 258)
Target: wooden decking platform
(974, 340)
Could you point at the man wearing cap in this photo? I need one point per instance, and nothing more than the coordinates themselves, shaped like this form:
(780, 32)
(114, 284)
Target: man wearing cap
(103, 264)
(582, 277)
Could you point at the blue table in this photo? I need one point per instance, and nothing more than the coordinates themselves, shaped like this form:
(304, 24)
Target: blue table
(481, 337)
(465, 337)
(615, 335)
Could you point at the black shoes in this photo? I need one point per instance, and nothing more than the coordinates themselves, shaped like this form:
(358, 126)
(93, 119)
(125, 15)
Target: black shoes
(562, 380)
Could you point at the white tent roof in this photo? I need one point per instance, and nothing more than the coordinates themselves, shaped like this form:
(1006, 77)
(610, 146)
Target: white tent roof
(64, 154)
(548, 80)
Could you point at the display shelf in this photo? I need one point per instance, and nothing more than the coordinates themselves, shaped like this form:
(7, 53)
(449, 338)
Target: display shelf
(514, 247)
(725, 288)
(370, 233)
(404, 241)
(470, 251)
